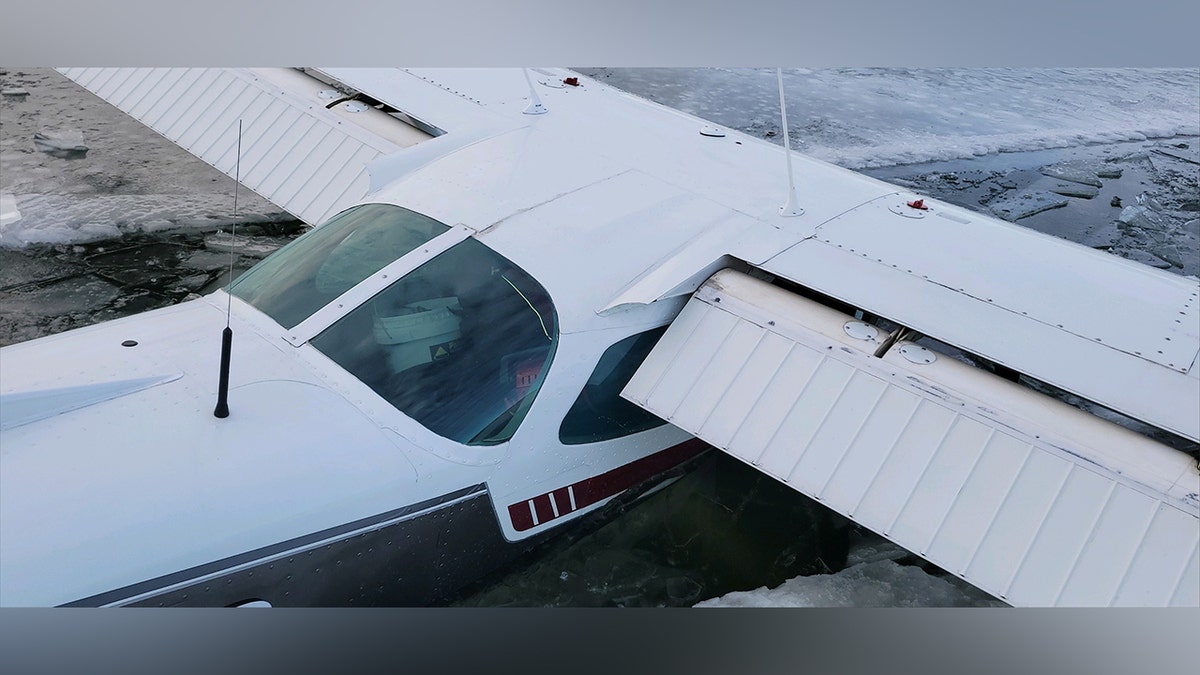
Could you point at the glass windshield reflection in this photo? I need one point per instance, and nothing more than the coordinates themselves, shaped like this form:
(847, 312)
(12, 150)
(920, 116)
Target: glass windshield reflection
(322, 264)
(461, 344)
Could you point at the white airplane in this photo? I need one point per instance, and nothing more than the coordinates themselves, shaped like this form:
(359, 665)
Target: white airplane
(530, 297)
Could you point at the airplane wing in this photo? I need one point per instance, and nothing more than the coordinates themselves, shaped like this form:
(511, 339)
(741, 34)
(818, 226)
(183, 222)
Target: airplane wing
(1024, 496)
(307, 137)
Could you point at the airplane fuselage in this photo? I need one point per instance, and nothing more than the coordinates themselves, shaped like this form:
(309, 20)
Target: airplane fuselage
(396, 431)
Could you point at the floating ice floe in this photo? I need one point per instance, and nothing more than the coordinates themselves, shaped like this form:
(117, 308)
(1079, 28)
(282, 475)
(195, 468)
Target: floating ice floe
(1142, 217)
(1077, 172)
(67, 144)
(1026, 204)
(1065, 188)
(252, 247)
(9, 213)
(1188, 152)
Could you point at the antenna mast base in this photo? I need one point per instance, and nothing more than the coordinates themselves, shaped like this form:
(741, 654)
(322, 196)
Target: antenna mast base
(790, 208)
(535, 106)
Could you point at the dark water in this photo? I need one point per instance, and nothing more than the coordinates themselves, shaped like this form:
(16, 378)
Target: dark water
(721, 527)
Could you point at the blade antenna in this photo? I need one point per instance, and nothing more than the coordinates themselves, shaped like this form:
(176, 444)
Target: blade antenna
(791, 208)
(222, 409)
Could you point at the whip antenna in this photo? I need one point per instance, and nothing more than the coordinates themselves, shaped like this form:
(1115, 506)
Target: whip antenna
(790, 208)
(222, 409)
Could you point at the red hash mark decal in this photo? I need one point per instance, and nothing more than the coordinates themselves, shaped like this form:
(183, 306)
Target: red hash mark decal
(546, 507)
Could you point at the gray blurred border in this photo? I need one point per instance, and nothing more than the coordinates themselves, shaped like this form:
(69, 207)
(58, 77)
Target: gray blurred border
(690, 642)
(608, 33)
(614, 33)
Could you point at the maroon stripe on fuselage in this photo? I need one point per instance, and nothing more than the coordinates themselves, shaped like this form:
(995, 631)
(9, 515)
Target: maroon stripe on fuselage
(521, 516)
(597, 488)
(541, 504)
(562, 499)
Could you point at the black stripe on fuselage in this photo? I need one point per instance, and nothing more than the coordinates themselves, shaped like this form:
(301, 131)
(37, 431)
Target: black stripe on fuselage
(151, 588)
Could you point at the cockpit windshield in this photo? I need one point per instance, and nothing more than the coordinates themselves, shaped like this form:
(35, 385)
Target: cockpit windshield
(460, 344)
(314, 269)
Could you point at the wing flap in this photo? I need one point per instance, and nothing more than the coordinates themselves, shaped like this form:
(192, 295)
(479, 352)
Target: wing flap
(1026, 497)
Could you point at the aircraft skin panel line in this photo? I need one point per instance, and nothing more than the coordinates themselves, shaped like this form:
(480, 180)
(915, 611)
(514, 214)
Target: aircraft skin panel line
(892, 486)
(744, 392)
(1024, 496)
(957, 455)
(1080, 500)
(1162, 572)
(144, 95)
(1186, 595)
(814, 471)
(720, 372)
(859, 465)
(184, 83)
(186, 108)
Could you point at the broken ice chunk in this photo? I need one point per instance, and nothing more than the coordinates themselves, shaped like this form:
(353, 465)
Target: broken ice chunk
(1169, 253)
(1026, 204)
(9, 213)
(252, 247)
(1141, 217)
(1076, 172)
(1181, 151)
(1064, 188)
(67, 144)
(1143, 257)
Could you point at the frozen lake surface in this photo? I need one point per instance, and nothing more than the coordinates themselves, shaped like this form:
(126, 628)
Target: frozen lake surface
(100, 217)
(871, 117)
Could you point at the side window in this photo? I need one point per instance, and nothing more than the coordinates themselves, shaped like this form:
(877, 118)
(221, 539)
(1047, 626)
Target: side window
(461, 344)
(599, 413)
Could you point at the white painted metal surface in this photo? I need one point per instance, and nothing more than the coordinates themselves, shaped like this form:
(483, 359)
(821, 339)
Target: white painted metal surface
(141, 480)
(1025, 497)
(307, 159)
(1083, 320)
